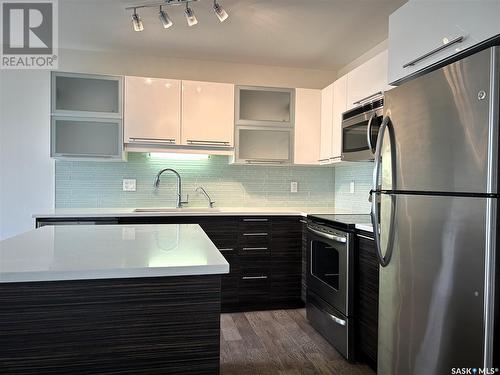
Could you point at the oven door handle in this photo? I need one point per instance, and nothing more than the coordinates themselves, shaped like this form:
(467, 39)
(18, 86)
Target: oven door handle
(331, 237)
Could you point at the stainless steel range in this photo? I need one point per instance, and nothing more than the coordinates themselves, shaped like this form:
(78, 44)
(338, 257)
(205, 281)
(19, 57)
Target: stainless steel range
(329, 284)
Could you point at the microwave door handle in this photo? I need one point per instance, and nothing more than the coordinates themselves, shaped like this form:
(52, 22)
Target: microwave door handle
(369, 133)
(375, 193)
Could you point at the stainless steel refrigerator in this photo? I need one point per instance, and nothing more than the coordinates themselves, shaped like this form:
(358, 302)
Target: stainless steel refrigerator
(435, 202)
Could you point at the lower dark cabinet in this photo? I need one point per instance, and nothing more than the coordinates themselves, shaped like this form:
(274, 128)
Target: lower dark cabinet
(265, 257)
(366, 300)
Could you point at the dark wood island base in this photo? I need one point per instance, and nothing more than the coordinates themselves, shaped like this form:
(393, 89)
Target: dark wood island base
(150, 325)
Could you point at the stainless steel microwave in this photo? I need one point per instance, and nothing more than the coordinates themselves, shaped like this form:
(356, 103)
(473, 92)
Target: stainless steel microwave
(360, 127)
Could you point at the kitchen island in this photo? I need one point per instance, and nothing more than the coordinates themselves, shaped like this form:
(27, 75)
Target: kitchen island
(110, 299)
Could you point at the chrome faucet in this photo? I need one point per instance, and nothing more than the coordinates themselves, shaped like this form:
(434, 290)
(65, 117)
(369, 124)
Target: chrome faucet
(180, 202)
(204, 192)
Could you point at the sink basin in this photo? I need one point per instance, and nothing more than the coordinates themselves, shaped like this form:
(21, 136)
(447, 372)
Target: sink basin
(187, 209)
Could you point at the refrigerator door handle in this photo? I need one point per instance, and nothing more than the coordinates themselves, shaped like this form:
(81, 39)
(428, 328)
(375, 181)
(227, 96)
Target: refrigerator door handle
(374, 194)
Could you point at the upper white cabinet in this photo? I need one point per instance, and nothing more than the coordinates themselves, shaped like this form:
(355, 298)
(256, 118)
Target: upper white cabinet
(423, 32)
(368, 80)
(307, 126)
(339, 107)
(264, 106)
(86, 119)
(152, 111)
(207, 114)
(325, 153)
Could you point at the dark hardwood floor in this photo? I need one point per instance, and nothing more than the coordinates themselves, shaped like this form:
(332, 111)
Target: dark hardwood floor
(277, 343)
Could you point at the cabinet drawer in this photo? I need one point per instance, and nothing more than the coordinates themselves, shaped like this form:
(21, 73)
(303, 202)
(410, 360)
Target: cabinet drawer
(254, 264)
(255, 224)
(254, 289)
(257, 240)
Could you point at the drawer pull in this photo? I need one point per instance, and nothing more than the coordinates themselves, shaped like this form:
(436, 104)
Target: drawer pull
(255, 234)
(254, 277)
(436, 50)
(254, 248)
(250, 220)
(229, 249)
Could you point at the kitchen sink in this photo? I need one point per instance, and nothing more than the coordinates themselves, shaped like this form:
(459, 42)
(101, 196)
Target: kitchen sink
(187, 209)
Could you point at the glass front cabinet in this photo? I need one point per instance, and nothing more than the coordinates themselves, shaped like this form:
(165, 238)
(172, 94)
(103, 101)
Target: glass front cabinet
(264, 131)
(87, 116)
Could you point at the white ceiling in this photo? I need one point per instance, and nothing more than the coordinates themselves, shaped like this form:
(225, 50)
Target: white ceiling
(318, 34)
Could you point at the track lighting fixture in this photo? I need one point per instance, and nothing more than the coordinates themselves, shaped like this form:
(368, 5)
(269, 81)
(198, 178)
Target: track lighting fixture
(190, 17)
(164, 18)
(220, 12)
(137, 22)
(166, 21)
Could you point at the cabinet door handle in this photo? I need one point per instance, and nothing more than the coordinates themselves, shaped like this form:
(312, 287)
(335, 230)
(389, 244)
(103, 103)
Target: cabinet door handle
(324, 160)
(436, 50)
(254, 277)
(196, 142)
(368, 97)
(228, 249)
(269, 161)
(255, 234)
(254, 248)
(249, 220)
(151, 140)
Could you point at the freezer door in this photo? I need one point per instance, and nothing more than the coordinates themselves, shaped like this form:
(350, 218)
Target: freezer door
(431, 292)
(441, 127)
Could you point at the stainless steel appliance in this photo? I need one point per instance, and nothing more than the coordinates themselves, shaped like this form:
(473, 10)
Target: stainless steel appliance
(360, 127)
(436, 178)
(329, 284)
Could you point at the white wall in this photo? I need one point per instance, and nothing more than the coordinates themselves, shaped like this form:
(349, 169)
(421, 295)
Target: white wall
(189, 69)
(26, 170)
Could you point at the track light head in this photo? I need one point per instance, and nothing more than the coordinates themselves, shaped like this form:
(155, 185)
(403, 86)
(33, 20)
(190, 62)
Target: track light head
(190, 17)
(164, 18)
(137, 22)
(220, 12)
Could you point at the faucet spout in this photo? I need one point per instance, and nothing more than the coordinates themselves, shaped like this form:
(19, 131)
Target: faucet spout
(204, 192)
(179, 184)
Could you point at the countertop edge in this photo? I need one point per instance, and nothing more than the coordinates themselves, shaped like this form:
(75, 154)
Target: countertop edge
(22, 277)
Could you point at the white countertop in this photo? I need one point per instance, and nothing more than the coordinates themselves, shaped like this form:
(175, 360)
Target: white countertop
(168, 211)
(109, 251)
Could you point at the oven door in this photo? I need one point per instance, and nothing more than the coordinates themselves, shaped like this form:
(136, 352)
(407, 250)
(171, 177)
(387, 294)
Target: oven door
(329, 266)
(359, 136)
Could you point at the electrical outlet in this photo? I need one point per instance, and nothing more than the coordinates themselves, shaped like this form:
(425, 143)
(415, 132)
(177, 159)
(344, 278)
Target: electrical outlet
(351, 187)
(129, 184)
(294, 187)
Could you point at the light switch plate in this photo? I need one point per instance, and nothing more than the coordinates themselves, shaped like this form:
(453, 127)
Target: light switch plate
(294, 187)
(351, 187)
(129, 184)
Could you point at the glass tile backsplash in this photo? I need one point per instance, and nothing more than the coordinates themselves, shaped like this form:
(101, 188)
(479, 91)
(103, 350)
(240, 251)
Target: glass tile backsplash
(86, 184)
(356, 202)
